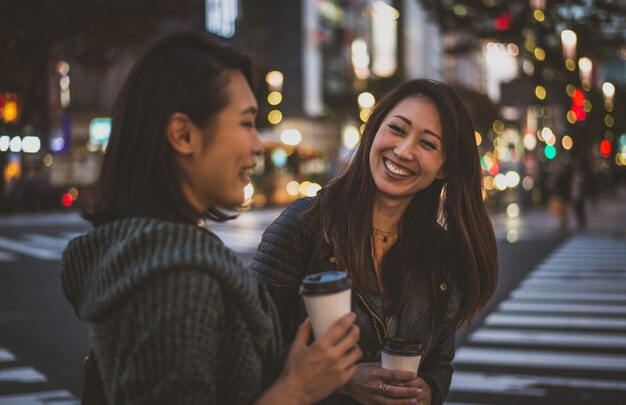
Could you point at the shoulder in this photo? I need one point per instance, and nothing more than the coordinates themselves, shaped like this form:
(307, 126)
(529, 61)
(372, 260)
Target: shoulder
(286, 245)
(298, 209)
(294, 218)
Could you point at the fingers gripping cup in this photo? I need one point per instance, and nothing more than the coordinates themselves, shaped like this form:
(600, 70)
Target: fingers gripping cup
(327, 297)
(401, 354)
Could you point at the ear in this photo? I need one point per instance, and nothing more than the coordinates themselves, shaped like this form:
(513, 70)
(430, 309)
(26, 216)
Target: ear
(441, 175)
(178, 133)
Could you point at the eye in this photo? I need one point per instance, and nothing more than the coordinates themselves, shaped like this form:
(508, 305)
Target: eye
(248, 124)
(429, 144)
(395, 128)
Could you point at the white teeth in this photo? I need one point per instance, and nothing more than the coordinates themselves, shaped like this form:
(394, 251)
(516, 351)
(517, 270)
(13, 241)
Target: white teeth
(395, 169)
(248, 172)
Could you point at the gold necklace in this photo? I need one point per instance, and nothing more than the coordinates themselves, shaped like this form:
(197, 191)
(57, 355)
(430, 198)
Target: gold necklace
(386, 238)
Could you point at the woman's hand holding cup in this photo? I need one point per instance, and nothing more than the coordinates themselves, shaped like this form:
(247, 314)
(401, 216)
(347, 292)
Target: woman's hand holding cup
(372, 384)
(314, 371)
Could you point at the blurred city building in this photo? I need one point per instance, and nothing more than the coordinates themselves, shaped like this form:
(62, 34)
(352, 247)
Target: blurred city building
(544, 82)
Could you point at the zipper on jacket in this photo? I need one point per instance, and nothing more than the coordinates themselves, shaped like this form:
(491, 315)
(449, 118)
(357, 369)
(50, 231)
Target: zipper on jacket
(381, 339)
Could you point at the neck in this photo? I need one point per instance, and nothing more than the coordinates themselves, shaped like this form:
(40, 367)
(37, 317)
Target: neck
(387, 213)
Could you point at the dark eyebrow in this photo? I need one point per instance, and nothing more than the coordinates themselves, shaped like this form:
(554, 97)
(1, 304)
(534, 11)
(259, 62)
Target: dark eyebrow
(408, 121)
(250, 110)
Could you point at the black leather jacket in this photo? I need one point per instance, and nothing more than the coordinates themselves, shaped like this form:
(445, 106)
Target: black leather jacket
(291, 248)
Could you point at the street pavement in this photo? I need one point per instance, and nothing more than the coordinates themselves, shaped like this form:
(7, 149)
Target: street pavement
(556, 334)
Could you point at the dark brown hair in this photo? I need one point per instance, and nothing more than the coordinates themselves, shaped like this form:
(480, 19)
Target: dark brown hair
(184, 73)
(468, 247)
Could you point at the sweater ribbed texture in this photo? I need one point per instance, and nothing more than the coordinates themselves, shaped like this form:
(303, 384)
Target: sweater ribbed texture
(174, 316)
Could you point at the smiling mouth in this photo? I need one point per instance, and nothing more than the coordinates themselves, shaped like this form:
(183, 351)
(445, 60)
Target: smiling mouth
(247, 171)
(396, 169)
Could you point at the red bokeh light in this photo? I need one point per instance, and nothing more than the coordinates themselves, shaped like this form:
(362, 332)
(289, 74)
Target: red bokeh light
(605, 148)
(578, 98)
(67, 199)
(503, 22)
(494, 169)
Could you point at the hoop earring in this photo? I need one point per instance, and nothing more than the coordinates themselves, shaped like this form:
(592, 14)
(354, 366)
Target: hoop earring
(442, 217)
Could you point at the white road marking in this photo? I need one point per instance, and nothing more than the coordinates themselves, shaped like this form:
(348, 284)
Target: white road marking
(556, 322)
(560, 295)
(6, 355)
(21, 374)
(46, 241)
(60, 397)
(549, 338)
(540, 307)
(571, 285)
(29, 249)
(523, 384)
(540, 359)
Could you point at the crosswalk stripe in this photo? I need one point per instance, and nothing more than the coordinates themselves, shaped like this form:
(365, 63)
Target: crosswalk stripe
(581, 276)
(567, 284)
(522, 384)
(571, 256)
(560, 295)
(59, 397)
(21, 374)
(540, 359)
(594, 263)
(511, 305)
(30, 250)
(608, 278)
(60, 219)
(581, 267)
(46, 241)
(556, 322)
(6, 355)
(549, 338)
(71, 235)
(581, 273)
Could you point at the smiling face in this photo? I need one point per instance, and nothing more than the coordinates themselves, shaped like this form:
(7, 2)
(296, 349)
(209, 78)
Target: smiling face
(407, 153)
(220, 168)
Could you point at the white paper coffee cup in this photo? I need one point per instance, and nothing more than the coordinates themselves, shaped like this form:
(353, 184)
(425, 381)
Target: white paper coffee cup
(327, 297)
(401, 354)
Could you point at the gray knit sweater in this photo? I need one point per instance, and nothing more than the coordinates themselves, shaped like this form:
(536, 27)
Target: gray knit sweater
(174, 316)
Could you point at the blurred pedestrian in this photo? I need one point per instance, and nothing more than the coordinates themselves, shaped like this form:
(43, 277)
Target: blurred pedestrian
(578, 194)
(559, 201)
(174, 316)
(406, 221)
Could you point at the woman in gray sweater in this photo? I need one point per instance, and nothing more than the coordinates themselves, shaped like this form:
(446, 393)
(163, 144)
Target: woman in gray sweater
(174, 315)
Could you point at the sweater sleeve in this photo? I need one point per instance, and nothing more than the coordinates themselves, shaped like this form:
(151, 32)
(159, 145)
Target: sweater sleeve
(280, 262)
(173, 336)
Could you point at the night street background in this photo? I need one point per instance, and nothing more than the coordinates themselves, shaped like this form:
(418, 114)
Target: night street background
(544, 82)
(576, 351)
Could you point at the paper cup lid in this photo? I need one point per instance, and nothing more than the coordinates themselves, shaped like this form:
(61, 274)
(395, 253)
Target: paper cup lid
(325, 283)
(402, 347)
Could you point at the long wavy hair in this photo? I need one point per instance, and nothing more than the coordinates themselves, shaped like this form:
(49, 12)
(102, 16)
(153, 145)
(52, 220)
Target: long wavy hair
(467, 244)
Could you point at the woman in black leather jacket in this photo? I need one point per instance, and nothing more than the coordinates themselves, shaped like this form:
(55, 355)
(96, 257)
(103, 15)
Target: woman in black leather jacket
(406, 221)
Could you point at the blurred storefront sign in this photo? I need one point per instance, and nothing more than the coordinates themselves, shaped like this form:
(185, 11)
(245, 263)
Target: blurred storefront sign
(221, 17)
(99, 130)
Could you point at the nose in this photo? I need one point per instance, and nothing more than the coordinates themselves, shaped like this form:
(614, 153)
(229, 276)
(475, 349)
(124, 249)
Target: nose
(257, 145)
(404, 150)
